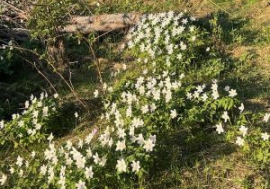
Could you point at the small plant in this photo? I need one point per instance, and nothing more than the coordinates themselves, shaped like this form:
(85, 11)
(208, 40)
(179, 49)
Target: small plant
(47, 26)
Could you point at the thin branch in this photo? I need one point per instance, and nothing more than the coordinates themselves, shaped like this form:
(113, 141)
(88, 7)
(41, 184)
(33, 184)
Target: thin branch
(21, 13)
(96, 62)
(70, 76)
(103, 35)
(219, 7)
(70, 87)
(38, 70)
(12, 7)
(59, 74)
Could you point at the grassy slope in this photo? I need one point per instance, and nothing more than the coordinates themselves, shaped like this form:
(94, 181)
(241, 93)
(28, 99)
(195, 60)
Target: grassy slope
(218, 166)
(207, 163)
(246, 35)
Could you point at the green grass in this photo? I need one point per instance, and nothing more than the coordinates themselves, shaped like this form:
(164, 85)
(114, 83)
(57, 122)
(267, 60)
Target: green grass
(204, 162)
(211, 164)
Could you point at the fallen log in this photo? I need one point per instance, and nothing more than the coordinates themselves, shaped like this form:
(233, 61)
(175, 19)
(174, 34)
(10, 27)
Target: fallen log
(88, 24)
(101, 23)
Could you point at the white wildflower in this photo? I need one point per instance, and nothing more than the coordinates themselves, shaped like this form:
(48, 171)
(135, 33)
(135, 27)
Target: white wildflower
(232, 93)
(33, 154)
(145, 109)
(45, 111)
(140, 139)
(3, 179)
(153, 107)
(96, 93)
(241, 108)
(89, 138)
(265, 136)
(89, 152)
(81, 185)
(19, 161)
(26, 104)
(219, 128)
(227, 88)
(89, 172)
(135, 166)
(96, 158)
(120, 145)
(43, 170)
(204, 97)
(225, 116)
(121, 165)
(2, 124)
(266, 117)
(240, 141)
(56, 95)
(148, 145)
(50, 138)
(21, 173)
(121, 133)
(243, 130)
(173, 114)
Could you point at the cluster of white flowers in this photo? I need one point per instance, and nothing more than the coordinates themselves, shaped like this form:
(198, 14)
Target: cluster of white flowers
(127, 133)
(242, 129)
(61, 163)
(164, 34)
(200, 95)
(30, 122)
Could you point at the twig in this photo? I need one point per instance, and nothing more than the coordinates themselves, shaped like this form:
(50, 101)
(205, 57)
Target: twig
(59, 74)
(22, 14)
(219, 7)
(12, 7)
(70, 87)
(70, 75)
(96, 62)
(34, 65)
(103, 34)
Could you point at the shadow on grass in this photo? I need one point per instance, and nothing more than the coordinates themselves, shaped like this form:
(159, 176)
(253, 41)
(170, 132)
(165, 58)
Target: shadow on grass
(244, 74)
(64, 122)
(202, 159)
(230, 30)
(254, 91)
(252, 86)
(182, 150)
